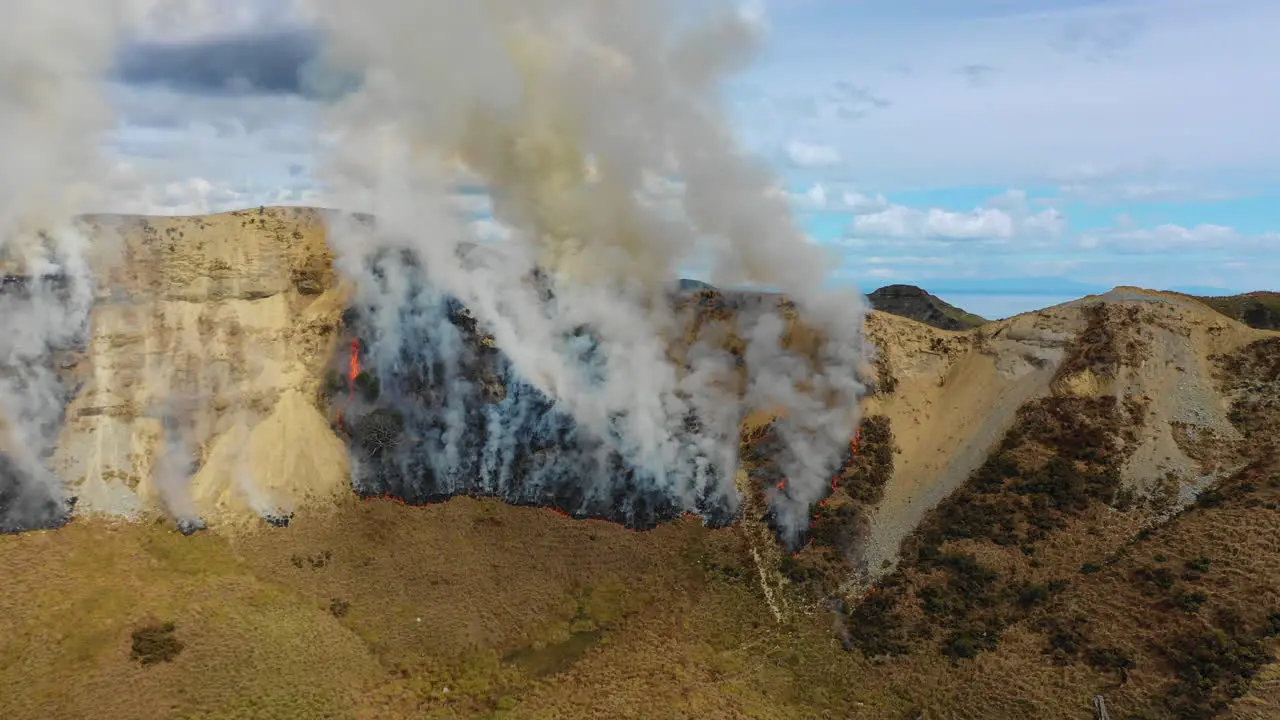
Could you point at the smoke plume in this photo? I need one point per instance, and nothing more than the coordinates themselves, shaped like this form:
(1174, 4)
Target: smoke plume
(597, 129)
(52, 59)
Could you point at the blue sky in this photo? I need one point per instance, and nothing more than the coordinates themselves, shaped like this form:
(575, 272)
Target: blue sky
(933, 142)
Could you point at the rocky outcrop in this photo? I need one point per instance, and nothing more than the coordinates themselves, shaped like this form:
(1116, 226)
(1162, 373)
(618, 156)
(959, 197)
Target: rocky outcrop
(912, 302)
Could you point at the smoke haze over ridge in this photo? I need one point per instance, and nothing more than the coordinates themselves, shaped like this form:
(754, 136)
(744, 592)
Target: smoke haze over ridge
(569, 112)
(596, 131)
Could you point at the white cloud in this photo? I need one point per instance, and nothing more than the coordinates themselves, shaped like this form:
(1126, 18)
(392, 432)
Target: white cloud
(813, 156)
(820, 196)
(1177, 238)
(900, 221)
(815, 198)
(190, 196)
(183, 153)
(136, 189)
(858, 203)
(1050, 222)
(912, 260)
(1130, 192)
(1005, 218)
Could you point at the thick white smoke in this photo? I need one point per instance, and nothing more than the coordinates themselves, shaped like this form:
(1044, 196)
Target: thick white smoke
(571, 112)
(53, 57)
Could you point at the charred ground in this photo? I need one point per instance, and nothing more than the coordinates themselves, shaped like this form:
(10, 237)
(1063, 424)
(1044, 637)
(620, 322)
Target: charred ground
(440, 411)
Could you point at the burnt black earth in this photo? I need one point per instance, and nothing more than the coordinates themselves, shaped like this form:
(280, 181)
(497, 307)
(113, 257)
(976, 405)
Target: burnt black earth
(438, 411)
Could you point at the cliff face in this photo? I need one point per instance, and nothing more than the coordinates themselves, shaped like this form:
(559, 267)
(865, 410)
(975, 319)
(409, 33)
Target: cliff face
(206, 352)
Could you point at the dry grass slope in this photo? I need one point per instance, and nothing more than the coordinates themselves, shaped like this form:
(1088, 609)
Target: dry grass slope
(1039, 562)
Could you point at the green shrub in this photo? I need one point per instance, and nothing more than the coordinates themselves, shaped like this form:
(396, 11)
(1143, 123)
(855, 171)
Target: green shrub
(1272, 628)
(1213, 667)
(967, 643)
(1196, 567)
(1190, 601)
(875, 627)
(1211, 498)
(1033, 594)
(1066, 637)
(1160, 577)
(1111, 658)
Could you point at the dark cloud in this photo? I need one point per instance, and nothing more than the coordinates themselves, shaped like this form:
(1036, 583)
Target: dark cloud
(276, 63)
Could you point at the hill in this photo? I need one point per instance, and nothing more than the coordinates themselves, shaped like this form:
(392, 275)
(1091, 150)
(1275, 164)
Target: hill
(1069, 503)
(1257, 309)
(912, 302)
(906, 301)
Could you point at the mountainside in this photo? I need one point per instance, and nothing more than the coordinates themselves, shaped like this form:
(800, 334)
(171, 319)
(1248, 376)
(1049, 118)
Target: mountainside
(1074, 502)
(1257, 309)
(912, 302)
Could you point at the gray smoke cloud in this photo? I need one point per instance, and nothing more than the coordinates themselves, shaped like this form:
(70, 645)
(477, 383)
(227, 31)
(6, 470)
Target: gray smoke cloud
(571, 113)
(53, 57)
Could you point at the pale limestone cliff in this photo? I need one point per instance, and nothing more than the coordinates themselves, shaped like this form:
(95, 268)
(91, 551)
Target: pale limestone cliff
(225, 324)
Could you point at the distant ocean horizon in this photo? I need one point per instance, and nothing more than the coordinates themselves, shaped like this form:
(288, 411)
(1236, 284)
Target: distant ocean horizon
(999, 298)
(997, 306)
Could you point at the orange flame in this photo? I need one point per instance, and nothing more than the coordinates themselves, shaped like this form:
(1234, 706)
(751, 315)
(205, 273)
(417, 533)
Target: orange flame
(352, 373)
(355, 363)
(853, 450)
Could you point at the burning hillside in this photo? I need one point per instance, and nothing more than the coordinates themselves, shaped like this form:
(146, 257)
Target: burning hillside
(439, 410)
